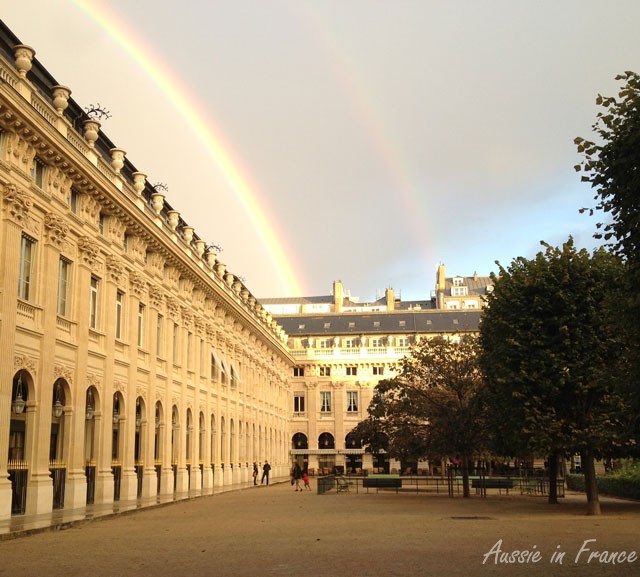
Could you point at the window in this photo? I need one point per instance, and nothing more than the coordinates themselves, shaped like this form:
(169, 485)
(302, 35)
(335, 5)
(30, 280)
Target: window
(63, 286)
(376, 324)
(349, 343)
(175, 343)
(377, 343)
(140, 325)
(119, 309)
(327, 325)
(352, 371)
(27, 249)
(93, 303)
(37, 172)
(352, 401)
(378, 370)
(159, 335)
(190, 350)
(352, 325)
(72, 200)
(325, 343)
(298, 403)
(325, 401)
(298, 371)
(325, 371)
(459, 291)
(101, 221)
(403, 341)
(301, 326)
(402, 323)
(457, 281)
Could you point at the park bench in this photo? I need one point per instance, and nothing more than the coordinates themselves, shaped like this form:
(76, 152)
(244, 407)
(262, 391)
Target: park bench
(489, 483)
(382, 481)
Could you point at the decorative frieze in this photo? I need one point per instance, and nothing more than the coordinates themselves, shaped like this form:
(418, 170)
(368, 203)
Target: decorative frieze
(24, 362)
(63, 372)
(20, 151)
(155, 263)
(89, 208)
(156, 297)
(137, 248)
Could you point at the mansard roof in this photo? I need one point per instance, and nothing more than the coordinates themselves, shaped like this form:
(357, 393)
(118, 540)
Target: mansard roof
(415, 322)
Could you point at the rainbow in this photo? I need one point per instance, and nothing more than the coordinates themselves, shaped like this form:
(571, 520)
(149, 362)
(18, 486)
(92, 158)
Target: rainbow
(384, 146)
(207, 133)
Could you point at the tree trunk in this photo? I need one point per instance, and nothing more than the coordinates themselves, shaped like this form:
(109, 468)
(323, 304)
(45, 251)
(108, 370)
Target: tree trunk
(465, 476)
(590, 486)
(553, 478)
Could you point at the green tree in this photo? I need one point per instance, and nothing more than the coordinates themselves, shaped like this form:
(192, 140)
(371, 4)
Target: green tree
(432, 407)
(612, 167)
(549, 352)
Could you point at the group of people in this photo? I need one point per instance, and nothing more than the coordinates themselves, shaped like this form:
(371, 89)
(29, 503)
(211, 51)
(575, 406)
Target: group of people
(297, 475)
(266, 469)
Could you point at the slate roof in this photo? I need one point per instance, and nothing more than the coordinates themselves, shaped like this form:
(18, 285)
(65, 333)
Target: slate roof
(383, 323)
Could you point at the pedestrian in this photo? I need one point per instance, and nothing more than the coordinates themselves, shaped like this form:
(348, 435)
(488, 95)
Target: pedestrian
(255, 473)
(297, 475)
(265, 472)
(305, 478)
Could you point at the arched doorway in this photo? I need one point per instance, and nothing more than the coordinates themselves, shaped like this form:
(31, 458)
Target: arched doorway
(90, 444)
(18, 466)
(57, 462)
(353, 454)
(327, 455)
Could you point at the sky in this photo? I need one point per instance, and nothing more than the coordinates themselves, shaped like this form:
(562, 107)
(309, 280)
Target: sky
(365, 141)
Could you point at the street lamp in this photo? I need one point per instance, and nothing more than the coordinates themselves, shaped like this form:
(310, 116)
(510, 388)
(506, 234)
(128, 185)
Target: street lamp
(18, 402)
(57, 406)
(90, 408)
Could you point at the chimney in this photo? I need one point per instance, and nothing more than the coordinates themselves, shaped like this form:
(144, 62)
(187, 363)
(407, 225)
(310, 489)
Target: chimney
(390, 299)
(338, 296)
(440, 286)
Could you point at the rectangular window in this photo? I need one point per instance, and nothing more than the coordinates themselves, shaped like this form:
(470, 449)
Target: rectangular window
(27, 249)
(376, 343)
(101, 221)
(349, 343)
(403, 341)
(190, 350)
(459, 291)
(298, 371)
(72, 200)
(141, 312)
(378, 370)
(352, 401)
(63, 286)
(325, 401)
(325, 344)
(352, 371)
(93, 303)
(298, 403)
(37, 172)
(325, 371)
(175, 343)
(159, 335)
(119, 310)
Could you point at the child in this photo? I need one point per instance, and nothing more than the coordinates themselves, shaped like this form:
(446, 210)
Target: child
(305, 478)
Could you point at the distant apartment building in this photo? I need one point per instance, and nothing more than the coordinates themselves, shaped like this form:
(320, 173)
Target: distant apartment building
(343, 347)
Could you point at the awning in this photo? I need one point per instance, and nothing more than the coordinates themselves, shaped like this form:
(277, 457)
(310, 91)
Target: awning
(236, 374)
(216, 360)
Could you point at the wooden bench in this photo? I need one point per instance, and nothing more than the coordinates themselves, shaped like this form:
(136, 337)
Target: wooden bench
(489, 483)
(382, 482)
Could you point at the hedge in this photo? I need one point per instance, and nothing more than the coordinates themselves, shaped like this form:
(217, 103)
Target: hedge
(625, 487)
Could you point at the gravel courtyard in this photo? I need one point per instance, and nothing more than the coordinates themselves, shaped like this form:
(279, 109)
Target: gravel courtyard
(268, 531)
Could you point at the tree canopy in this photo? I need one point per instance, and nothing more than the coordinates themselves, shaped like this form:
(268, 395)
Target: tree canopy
(549, 352)
(432, 408)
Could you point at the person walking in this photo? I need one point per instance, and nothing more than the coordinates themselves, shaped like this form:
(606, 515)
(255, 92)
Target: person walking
(305, 478)
(297, 475)
(255, 473)
(265, 472)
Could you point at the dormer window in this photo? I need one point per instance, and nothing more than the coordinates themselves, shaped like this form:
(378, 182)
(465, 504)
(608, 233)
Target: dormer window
(457, 281)
(459, 291)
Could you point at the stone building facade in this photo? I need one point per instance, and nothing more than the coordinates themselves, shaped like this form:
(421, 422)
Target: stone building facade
(135, 364)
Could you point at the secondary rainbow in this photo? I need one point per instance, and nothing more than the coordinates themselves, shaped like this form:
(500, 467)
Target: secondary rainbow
(205, 130)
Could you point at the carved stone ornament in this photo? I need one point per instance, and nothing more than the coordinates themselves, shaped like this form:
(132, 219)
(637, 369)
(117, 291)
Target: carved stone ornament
(62, 372)
(156, 296)
(89, 251)
(155, 263)
(94, 380)
(24, 362)
(137, 283)
(89, 208)
(173, 308)
(187, 316)
(17, 203)
(56, 229)
(120, 387)
(115, 268)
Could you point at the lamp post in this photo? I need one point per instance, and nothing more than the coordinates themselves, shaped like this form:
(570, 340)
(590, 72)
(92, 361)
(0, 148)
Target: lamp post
(90, 408)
